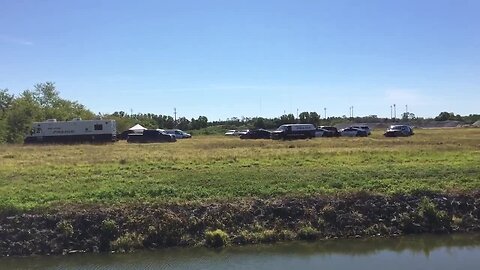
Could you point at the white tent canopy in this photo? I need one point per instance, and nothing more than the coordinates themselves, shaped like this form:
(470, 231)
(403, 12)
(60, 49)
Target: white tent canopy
(137, 128)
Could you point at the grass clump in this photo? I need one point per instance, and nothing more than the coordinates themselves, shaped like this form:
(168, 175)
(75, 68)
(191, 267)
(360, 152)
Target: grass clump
(109, 228)
(216, 238)
(65, 228)
(128, 242)
(308, 233)
(434, 218)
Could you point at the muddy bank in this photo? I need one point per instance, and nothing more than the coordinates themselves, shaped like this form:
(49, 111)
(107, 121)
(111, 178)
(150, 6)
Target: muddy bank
(70, 229)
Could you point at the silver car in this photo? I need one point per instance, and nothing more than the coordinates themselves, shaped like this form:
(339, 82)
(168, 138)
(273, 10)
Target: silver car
(179, 134)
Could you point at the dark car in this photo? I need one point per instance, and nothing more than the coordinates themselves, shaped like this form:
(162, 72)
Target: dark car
(256, 134)
(124, 135)
(353, 132)
(398, 131)
(151, 136)
(333, 131)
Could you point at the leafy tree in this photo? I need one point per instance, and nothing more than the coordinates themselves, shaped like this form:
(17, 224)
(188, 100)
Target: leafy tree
(183, 123)
(20, 116)
(259, 122)
(304, 117)
(201, 122)
(287, 119)
(6, 101)
(444, 116)
(408, 116)
(46, 94)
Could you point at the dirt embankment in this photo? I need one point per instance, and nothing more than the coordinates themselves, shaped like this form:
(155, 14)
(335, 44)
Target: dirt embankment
(95, 229)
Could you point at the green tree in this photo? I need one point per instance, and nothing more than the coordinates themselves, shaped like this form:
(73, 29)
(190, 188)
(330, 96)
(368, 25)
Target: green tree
(304, 117)
(23, 111)
(408, 116)
(201, 122)
(314, 118)
(444, 116)
(6, 101)
(259, 122)
(287, 119)
(183, 123)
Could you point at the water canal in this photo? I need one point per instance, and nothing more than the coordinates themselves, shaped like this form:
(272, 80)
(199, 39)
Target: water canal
(439, 252)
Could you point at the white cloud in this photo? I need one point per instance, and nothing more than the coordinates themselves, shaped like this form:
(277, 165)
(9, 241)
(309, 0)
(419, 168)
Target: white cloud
(14, 40)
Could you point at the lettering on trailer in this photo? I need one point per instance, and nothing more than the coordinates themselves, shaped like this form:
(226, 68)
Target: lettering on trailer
(304, 127)
(63, 131)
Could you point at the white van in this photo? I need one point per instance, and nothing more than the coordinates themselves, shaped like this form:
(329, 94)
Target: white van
(294, 131)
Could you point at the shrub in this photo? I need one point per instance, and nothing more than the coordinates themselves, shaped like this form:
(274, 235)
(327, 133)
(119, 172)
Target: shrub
(65, 228)
(109, 228)
(128, 242)
(217, 238)
(433, 217)
(308, 233)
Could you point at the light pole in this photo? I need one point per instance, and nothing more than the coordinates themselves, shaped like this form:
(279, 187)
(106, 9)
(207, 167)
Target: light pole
(394, 112)
(325, 113)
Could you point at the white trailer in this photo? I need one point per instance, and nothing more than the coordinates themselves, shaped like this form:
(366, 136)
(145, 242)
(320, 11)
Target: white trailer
(75, 131)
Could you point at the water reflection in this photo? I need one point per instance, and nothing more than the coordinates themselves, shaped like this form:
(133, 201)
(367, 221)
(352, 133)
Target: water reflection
(412, 252)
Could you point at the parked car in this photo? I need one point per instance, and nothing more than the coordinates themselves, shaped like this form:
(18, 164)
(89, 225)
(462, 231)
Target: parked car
(353, 132)
(294, 131)
(151, 136)
(124, 134)
(179, 134)
(256, 134)
(235, 132)
(333, 131)
(230, 132)
(398, 131)
(320, 132)
(363, 127)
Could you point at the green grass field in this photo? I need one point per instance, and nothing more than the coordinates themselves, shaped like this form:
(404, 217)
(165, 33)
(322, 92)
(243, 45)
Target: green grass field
(219, 168)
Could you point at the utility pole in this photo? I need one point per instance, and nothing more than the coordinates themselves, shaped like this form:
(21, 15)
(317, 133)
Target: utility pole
(297, 113)
(406, 109)
(391, 111)
(175, 114)
(394, 111)
(325, 113)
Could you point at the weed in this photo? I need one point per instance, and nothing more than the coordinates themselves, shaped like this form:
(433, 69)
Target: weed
(127, 242)
(216, 239)
(308, 233)
(435, 218)
(109, 227)
(65, 228)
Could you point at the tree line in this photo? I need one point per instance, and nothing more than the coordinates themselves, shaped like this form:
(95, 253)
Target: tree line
(18, 112)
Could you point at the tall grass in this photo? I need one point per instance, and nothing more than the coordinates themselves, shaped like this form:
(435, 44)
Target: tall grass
(217, 167)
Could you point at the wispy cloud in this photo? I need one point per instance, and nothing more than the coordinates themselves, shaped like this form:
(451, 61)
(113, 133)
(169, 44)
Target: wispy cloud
(14, 40)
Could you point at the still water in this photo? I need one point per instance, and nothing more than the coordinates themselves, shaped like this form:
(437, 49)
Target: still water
(412, 252)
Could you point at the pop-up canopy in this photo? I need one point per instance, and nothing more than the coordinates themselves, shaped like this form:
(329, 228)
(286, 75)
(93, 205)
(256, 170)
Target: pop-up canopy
(137, 128)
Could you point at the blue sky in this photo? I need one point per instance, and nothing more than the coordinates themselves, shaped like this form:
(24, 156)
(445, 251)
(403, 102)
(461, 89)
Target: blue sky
(247, 58)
